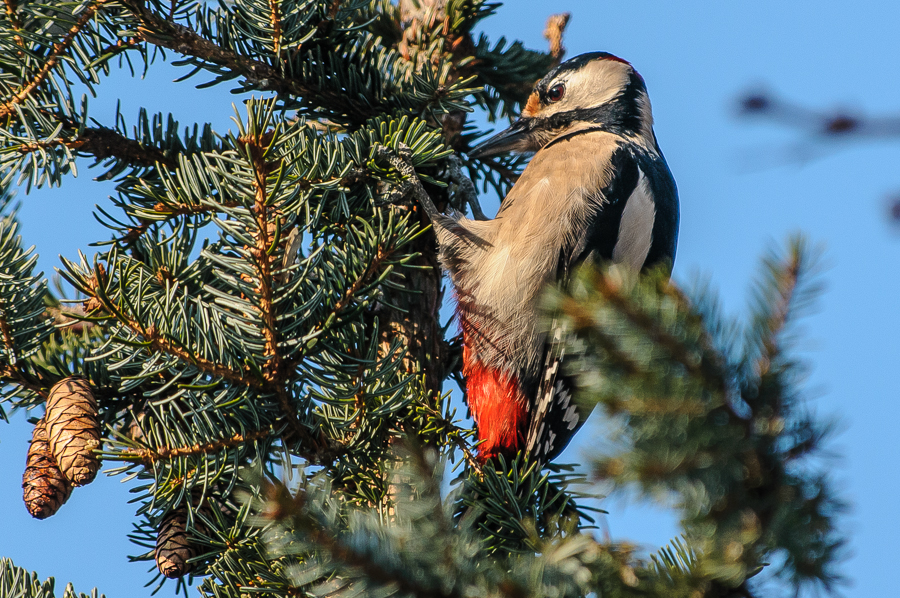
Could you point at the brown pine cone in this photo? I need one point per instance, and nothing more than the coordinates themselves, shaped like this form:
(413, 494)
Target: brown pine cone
(44, 487)
(173, 546)
(74, 430)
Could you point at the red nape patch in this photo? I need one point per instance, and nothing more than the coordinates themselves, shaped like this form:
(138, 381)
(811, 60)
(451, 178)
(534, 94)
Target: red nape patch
(498, 407)
(615, 58)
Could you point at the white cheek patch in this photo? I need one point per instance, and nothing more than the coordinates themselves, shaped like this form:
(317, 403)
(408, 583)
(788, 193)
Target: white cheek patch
(636, 226)
(595, 84)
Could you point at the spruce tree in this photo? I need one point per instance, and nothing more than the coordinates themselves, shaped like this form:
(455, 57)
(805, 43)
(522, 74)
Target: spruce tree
(258, 347)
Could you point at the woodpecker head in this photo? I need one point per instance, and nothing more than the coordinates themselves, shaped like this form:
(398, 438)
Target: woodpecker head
(596, 90)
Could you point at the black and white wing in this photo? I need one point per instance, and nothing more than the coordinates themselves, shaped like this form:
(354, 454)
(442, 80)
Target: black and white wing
(554, 417)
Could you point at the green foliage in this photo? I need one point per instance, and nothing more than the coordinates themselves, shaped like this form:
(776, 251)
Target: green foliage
(422, 550)
(267, 301)
(711, 416)
(517, 506)
(16, 582)
(23, 326)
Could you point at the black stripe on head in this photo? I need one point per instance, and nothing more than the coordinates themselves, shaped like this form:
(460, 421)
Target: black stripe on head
(571, 65)
(621, 115)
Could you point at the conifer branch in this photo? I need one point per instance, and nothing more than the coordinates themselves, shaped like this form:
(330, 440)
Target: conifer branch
(381, 255)
(121, 46)
(176, 210)
(263, 257)
(244, 378)
(315, 452)
(51, 61)
(168, 34)
(375, 570)
(159, 342)
(703, 368)
(787, 279)
(103, 143)
(282, 507)
(583, 319)
(274, 370)
(454, 434)
(149, 456)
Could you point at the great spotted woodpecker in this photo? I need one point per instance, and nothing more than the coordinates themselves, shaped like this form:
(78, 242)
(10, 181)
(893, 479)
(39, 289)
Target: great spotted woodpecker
(598, 189)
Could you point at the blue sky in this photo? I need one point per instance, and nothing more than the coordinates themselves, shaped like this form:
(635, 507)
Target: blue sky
(744, 185)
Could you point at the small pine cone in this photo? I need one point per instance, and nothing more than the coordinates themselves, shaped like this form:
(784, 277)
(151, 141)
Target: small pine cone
(44, 487)
(173, 546)
(74, 430)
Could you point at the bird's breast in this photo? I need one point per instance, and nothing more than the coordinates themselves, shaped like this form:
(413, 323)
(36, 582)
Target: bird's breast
(542, 218)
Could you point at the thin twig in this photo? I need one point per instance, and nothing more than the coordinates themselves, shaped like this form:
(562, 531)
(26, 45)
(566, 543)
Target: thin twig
(508, 175)
(12, 14)
(380, 256)
(274, 371)
(172, 211)
(787, 278)
(275, 22)
(176, 210)
(263, 261)
(120, 46)
(553, 32)
(317, 453)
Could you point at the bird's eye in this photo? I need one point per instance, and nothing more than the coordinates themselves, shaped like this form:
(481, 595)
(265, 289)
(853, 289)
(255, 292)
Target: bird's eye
(556, 93)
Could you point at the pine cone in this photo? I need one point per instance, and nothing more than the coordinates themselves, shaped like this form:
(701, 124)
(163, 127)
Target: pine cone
(74, 430)
(44, 487)
(173, 546)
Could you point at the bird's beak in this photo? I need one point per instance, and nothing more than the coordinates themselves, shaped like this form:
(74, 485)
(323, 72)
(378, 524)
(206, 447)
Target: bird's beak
(517, 138)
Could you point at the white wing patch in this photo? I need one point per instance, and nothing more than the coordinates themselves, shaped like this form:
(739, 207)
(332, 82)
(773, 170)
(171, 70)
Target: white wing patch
(564, 400)
(636, 226)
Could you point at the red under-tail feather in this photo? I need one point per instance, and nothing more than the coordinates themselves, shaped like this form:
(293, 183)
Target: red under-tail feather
(498, 406)
(494, 397)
